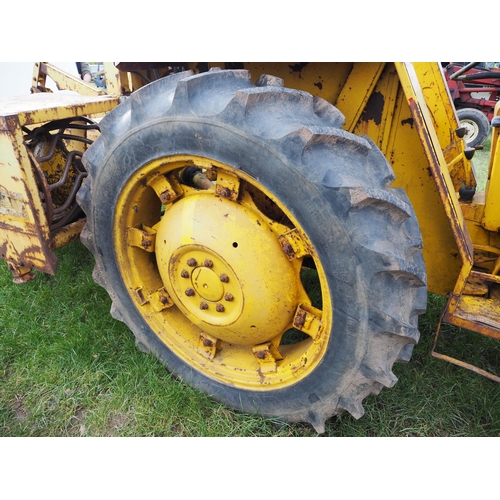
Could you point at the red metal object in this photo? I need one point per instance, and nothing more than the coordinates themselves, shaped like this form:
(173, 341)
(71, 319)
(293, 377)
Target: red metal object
(478, 87)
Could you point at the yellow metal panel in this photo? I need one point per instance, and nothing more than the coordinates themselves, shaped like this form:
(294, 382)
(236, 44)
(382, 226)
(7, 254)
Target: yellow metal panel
(43, 107)
(491, 219)
(114, 79)
(24, 232)
(357, 90)
(445, 122)
(325, 80)
(411, 167)
(437, 162)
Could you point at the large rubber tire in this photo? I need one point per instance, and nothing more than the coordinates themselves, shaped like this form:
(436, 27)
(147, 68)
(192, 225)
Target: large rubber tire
(476, 125)
(331, 186)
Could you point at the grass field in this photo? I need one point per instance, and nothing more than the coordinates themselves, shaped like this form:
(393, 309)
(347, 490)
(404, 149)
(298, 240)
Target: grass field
(67, 368)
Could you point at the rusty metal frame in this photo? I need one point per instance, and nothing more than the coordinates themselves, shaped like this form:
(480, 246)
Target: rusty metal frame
(26, 239)
(453, 360)
(63, 80)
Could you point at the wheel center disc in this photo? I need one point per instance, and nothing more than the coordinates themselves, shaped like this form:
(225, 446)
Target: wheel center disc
(207, 284)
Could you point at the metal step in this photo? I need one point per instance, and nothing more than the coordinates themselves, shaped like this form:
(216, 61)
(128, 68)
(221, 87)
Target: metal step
(478, 314)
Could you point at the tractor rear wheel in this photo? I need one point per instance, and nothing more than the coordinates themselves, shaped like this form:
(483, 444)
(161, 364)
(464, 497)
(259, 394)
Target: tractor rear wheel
(254, 246)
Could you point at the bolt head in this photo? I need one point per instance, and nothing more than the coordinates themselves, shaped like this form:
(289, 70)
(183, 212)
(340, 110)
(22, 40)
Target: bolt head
(224, 278)
(192, 262)
(220, 308)
(203, 305)
(184, 274)
(190, 292)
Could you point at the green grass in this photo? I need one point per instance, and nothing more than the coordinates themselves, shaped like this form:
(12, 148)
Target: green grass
(67, 368)
(481, 162)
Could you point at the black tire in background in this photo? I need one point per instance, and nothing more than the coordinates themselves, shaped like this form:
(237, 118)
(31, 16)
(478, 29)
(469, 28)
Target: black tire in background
(363, 235)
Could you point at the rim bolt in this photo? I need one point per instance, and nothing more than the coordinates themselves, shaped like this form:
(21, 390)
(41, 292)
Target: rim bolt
(220, 308)
(228, 297)
(208, 263)
(224, 278)
(184, 274)
(192, 262)
(190, 292)
(203, 305)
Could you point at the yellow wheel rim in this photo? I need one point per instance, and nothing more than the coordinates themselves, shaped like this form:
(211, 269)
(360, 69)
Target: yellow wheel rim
(218, 274)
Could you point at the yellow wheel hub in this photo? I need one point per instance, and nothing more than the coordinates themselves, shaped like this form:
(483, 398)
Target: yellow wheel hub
(235, 282)
(217, 274)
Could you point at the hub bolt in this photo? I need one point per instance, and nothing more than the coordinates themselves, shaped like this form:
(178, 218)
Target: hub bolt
(220, 308)
(192, 262)
(184, 274)
(190, 292)
(228, 297)
(203, 305)
(224, 278)
(208, 263)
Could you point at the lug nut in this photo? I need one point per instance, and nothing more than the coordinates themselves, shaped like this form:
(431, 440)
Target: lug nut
(190, 292)
(220, 308)
(228, 297)
(208, 263)
(184, 274)
(191, 262)
(224, 278)
(203, 305)
(299, 321)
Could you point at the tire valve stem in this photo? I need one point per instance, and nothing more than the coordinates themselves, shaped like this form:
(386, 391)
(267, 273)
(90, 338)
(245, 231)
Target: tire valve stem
(189, 292)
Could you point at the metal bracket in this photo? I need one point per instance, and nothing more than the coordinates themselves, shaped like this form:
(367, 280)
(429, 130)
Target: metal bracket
(453, 360)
